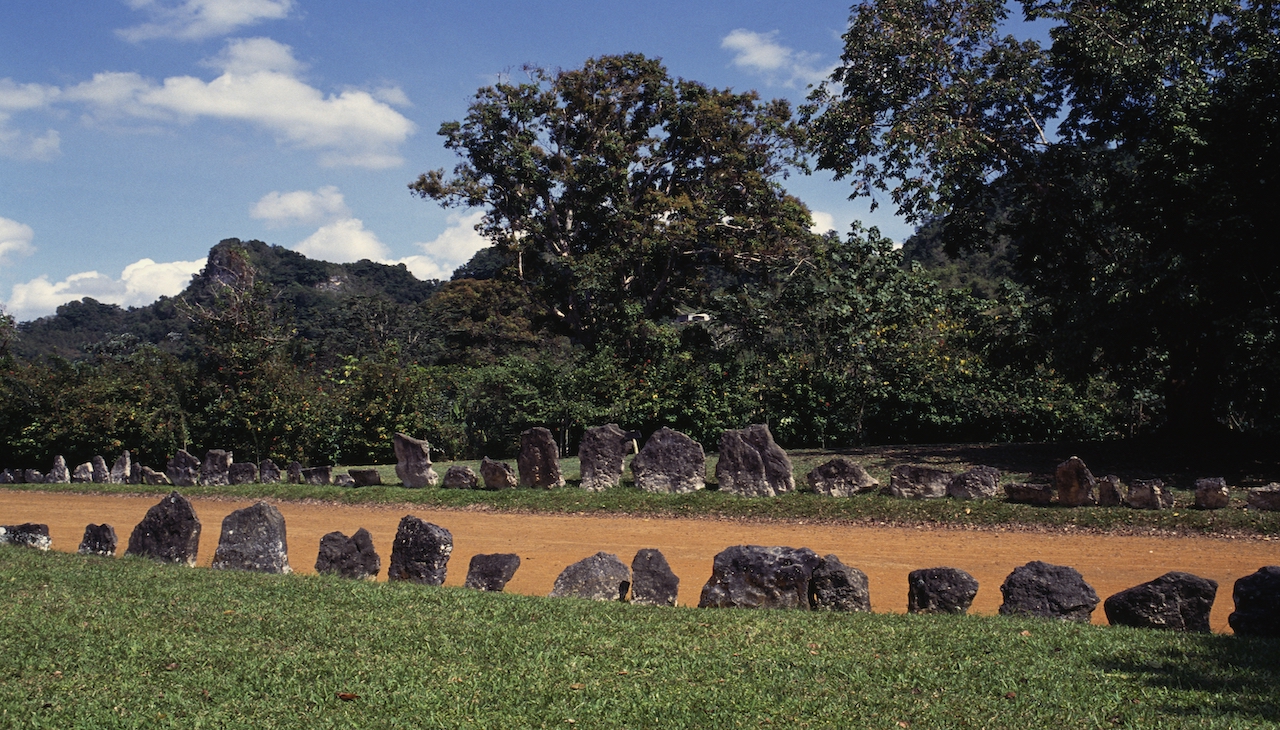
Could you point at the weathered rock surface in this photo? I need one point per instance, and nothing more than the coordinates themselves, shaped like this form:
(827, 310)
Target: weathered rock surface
(1148, 494)
(8, 477)
(1029, 493)
(497, 474)
(242, 472)
(413, 462)
(940, 590)
(343, 480)
(917, 482)
(1048, 591)
(57, 475)
(841, 477)
(539, 459)
(652, 581)
(153, 477)
(83, 473)
(294, 470)
(600, 454)
(1176, 601)
(350, 557)
(491, 572)
(420, 553)
(835, 586)
(460, 477)
(34, 476)
(268, 472)
(216, 467)
(600, 577)
(1212, 493)
(253, 539)
(98, 540)
(980, 482)
(1257, 603)
(169, 532)
(670, 463)
(752, 465)
(28, 534)
(1111, 493)
(317, 475)
(122, 470)
(1075, 483)
(1265, 498)
(365, 477)
(183, 469)
(752, 576)
(101, 472)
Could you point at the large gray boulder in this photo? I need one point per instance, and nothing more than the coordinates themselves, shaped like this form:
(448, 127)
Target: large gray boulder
(539, 459)
(835, 586)
(980, 482)
(1176, 601)
(101, 472)
(420, 553)
(268, 472)
(349, 557)
(460, 476)
(752, 576)
(1028, 493)
(1149, 494)
(940, 590)
(98, 540)
(1265, 498)
(83, 474)
(242, 472)
(670, 463)
(1048, 591)
(57, 475)
(364, 477)
(1212, 493)
(294, 472)
(750, 464)
(216, 469)
(841, 477)
(317, 475)
(1111, 492)
(1075, 483)
(1257, 603)
(497, 474)
(652, 581)
(907, 481)
(253, 539)
(169, 532)
(122, 470)
(34, 476)
(28, 534)
(600, 455)
(492, 572)
(183, 469)
(413, 462)
(600, 577)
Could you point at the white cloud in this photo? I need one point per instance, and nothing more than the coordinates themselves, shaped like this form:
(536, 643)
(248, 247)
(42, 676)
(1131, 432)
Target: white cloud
(244, 56)
(343, 241)
(141, 283)
(759, 53)
(199, 19)
(822, 222)
(15, 240)
(301, 207)
(451, 249)
(18, 144)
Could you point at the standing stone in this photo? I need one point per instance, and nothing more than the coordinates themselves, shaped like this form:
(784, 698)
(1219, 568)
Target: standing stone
(268, 472)
(491, 572)
(253, 539)
(841, 477)
(460, 477)
(940, 590)
(980, 482)
(317, 475)
(497, 474)
(151, 476)
(83, 473)
(294, 471)
(1257, 602)
(7, 477)
(122, 471)
(751, 576)
(242, 472)
(1028, 493)
(539, 459)
(652, 582)
(601, 577)
(1048, 591)
(57, 475)
(1149, 494)
(600, 456)
(917, 482)
(33, 476)
(1212, 493)
(420, 553)
(169, 532)
(28, 534)
(413, 462)
(98, 540)
(101, 472)
(752, 465)
(1111, 493)
(1176, 601)
(670, 463)
(216, 468)
(1265, 498)
(835, 586)
(1075, 483)
(365, 477)
(183, 469)
(349, 557)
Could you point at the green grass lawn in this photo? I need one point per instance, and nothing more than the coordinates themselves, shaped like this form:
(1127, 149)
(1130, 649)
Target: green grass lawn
(103, 643)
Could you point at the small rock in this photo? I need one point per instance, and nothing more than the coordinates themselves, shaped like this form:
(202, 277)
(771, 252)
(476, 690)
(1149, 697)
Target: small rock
(752, 576)
(343, 480)
(1048, 591)
(1257, 603)
(1029, 493)
(294, 470)
(317, 475)
(1075, 483)
(835, 586)
(365, 477)
(122, 471)
(350, 557)
(940, 590)
(980, 482)
(1149, 494)
(652, 582)
(101, 472)
(841, 477)
(1212, 493)
(497, 474)
(32, 476)
(420, 553)
(253, 539)
(28, 534)
(601, 577)
(7, 477)
(1176, 601)
(268, 472)
(670, 463)
(169, 532)
(183, 469)
(539, 460)
(917, 482)
(242, 472)
(1111, 493)
(216, 468)
(460, 476)
(83, 473)
(491, 572)
(153, 477)
(1265, 498)
(413, 462)
(600, 456)
(98, 540)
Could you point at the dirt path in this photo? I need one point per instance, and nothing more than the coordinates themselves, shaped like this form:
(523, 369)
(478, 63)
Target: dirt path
(546, 544)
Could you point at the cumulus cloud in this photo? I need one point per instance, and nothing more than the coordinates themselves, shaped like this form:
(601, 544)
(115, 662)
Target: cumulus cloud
(343, 241)
(451, 249)
(300, 207)
(141, 283)
(199, 19)
(19, 144)
(15, 240)
(822, 222)
(760, 54)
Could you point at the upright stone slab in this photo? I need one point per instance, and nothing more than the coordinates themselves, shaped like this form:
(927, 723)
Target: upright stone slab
(242, 472)
(294, 470)
(980, 482)
(1048, 591)
(752, 576)
(907, 481)
(835, 586)
(1265, 498)
(539, 459)
(460, 476)
(1149, 494)
(652, 581)
(183, 469)
(420, 553)
(57, 475)
(153, 477)
(600, 455)
(1029, 493)
(216, 469)
(497, 474)
(101, 472)
(940, 590)
(1075, 483)
(841, 477)
(1212, 493)
(170, 532)
(1257, 603)
(1111, 492)
(122, 470)
(365, 477)
(268, 472)
(83, 474)
(253, 539)
(350, 557)
(34, 476)
(750, 464)
(600, 577)
(317, 475)
(28, 534)
(491, 572)
(1175, 601)
(413, 462)
(98, 540)
(670, 463)
(7, 477)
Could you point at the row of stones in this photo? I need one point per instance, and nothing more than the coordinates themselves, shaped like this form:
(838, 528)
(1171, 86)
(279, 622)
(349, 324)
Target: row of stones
(1075, 486)
(743, 576)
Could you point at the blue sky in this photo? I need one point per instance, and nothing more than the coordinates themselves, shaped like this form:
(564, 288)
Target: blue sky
(135, 134)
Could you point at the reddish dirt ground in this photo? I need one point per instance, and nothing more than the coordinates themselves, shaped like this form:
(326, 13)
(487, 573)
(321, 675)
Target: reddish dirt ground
(546, 544)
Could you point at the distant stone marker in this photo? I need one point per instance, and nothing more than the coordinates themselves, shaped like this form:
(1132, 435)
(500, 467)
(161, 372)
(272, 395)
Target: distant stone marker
(497, 474)
(242, 472)
(1149, 494)
(1029, 493)
(317, 475)
(268, 472)
(980, 482)
(365, 477)
(98, 540)
(420, 553)
(183, 469)
(350, 557)
(841, 477)
(83, 474)
(670, 463)
(600, 577)
(907, 481)
(169, 532)
(122, 470)
(492, 572)
(101, 472)
(750, 464)
(460, 476)
(413, 462)
(1212, 493)
(1075, 483)
(57, 475)
(253, 539)
(539, 460)
(600, 455)
(215, 471)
